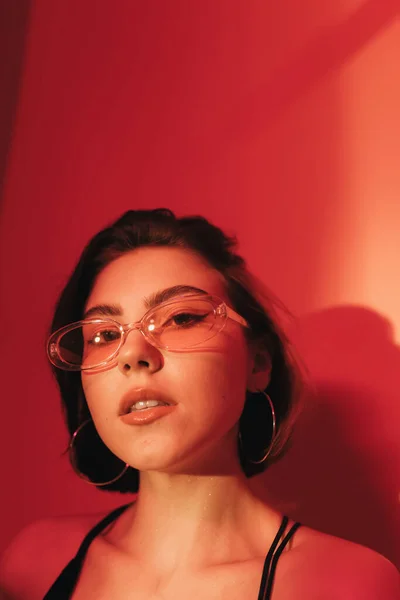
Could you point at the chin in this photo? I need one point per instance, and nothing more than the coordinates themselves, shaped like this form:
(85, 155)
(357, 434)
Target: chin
(151, 457)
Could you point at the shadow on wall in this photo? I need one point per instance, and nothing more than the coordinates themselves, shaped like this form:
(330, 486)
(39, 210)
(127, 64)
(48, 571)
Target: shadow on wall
(342, 472)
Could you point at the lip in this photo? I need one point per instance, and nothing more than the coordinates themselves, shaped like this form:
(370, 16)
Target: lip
(142, 394)
(142, 417)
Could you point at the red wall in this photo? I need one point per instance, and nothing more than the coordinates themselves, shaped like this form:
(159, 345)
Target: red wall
(278, 121)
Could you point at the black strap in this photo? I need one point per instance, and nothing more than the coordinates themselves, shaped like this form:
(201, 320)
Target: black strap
(271, 560)
(112, 516)
(65, 583)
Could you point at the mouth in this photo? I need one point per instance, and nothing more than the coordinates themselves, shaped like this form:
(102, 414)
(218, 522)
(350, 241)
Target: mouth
(142, 400)
(141, 405)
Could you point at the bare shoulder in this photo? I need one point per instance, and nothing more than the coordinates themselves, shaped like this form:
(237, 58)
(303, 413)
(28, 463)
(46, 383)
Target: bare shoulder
(340, 568)
(39, 552)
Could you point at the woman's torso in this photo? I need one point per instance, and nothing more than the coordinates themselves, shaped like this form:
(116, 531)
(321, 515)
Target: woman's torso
(101, 571)
(314, 564)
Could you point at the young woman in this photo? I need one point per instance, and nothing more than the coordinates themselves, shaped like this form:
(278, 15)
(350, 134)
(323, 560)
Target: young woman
(177, 384)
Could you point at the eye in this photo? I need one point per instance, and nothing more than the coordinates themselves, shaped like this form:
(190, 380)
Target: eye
(104, 336)
(184, 319)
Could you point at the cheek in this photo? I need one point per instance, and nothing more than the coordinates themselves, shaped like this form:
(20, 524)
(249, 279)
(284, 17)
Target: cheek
(215, 381)
(101, 394)
(231, 365)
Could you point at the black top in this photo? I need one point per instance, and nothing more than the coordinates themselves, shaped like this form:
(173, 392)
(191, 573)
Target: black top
(65, 583)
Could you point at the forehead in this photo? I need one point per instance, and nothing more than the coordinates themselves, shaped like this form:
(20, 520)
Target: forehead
(138, 274)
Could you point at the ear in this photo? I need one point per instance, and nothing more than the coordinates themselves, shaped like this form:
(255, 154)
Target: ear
(259, 373)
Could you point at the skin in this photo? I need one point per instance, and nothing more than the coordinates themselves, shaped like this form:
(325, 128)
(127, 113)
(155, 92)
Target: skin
(195, 506)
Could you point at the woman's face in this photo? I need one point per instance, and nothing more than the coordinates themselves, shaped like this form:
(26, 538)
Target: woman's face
(207, 383)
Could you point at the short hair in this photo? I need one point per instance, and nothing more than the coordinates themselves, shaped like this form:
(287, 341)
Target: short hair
(159, 228)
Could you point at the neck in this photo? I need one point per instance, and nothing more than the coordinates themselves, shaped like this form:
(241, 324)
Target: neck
(191, 521)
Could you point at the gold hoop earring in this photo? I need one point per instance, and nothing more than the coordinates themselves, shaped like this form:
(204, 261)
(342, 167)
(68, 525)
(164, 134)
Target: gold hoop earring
(258, 462)
(71, 451)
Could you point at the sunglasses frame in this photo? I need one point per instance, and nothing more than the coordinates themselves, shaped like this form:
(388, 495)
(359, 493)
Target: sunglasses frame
(221, 311)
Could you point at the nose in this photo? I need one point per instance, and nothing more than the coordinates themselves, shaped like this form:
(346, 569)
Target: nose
(137, 353)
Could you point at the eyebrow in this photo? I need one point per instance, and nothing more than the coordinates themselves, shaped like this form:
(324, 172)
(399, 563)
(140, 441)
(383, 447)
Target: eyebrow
(115, 310)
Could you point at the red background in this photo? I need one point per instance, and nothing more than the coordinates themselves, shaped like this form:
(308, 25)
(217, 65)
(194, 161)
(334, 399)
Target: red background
(277, 121)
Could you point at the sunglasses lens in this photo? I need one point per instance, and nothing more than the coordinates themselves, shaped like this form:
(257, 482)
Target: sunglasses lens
(89, 345)
(183, 324)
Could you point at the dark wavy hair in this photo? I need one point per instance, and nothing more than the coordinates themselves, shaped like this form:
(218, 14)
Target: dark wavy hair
(160, 227)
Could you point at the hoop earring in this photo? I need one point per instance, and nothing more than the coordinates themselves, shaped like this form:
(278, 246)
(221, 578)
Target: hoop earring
(71, 451)
(258, 462)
